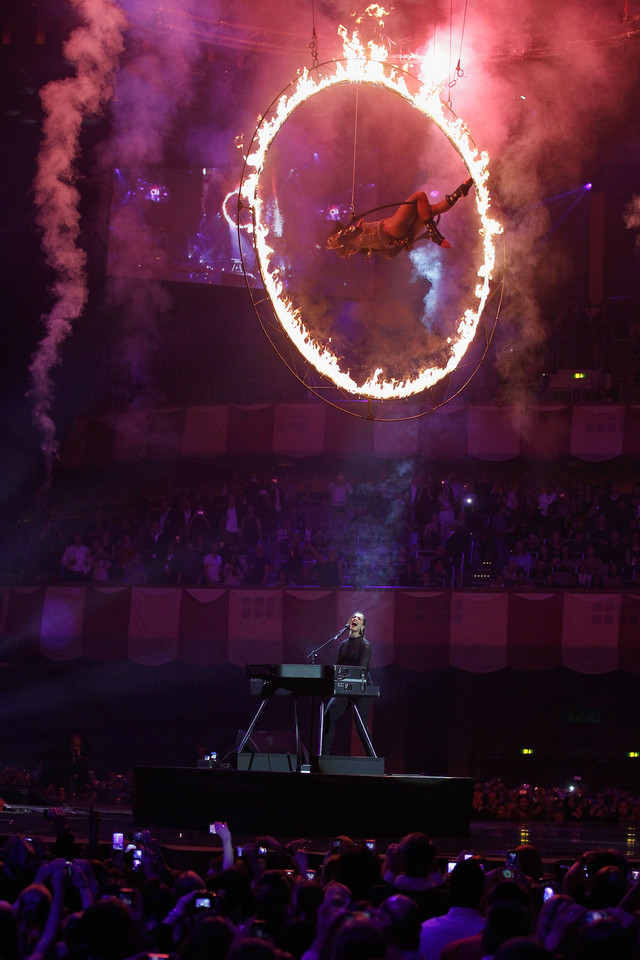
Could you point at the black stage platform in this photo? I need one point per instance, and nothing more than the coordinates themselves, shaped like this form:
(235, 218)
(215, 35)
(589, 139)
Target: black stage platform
(191, 849)
(302, 804)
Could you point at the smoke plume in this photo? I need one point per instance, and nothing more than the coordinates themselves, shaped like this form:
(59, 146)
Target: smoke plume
(93, 49)
(153, 87)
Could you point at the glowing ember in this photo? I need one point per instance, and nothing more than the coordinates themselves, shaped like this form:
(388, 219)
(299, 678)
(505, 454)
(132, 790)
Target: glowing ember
(370, 67)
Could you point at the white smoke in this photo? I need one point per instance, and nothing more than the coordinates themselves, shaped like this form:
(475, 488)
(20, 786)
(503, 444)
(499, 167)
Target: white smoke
(540, 82)
(153, 87)
(94, 49)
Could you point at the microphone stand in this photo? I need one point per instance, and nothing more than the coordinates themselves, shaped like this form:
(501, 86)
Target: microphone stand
(313, 656)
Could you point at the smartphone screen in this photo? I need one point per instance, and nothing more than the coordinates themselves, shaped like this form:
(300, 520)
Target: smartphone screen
(118, 841)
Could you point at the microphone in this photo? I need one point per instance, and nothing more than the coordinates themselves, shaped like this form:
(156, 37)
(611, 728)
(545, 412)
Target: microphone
(347, 626)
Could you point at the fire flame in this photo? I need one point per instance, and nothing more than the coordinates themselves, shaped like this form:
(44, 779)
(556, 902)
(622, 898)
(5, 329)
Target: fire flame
(367, 63)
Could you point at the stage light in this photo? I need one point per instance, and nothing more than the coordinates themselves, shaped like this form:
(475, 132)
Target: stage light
(588, 186)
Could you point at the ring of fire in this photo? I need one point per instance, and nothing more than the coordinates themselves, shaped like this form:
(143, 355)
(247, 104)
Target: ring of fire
(429, 103)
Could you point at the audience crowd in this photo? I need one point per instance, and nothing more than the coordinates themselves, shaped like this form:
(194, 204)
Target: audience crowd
(267, 900)
(492, 800)
(401, 529)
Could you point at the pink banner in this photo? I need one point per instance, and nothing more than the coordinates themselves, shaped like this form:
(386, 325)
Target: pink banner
(349, 434)
(148, 435)
(590, 632)
(494, 432)
(205, 432)
(534, 631)
(166, 432)
(22, 621)
(132, 436)
(153, 625)
(203, 626)
(299, 429)
(398, 438)
(422, 630)
(309, 619)
(479, 631)
(443, 433)
(255, 627)
(546, 432)
(250, 432)
(632, 433)
(62, 619)
(106, 623)
(629, 640)
(597, 433)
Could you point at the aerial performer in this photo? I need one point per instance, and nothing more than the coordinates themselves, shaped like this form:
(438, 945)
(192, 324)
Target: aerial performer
(414, 219)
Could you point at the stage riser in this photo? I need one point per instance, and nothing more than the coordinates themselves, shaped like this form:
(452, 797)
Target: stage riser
(299, 804)
(268, 762)
(348, 766)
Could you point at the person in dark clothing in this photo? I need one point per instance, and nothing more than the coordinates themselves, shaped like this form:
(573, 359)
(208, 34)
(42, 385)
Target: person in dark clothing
(354, 651)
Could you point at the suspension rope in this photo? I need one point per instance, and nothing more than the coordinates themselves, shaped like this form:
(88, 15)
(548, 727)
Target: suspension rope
(458, 72)
(313, 45)
(355, 149)
(450, 83)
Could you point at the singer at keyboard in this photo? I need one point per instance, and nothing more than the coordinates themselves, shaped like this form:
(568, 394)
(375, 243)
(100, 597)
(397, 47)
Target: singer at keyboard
(355, 650)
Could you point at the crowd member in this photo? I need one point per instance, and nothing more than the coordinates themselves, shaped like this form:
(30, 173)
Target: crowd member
(339, 490)
(257, 905)
(411, 867)
(463, 918)
(403, 927)
(258, 567)
(506, 918)
(75, 561)
(331, 566)
(212, 565)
